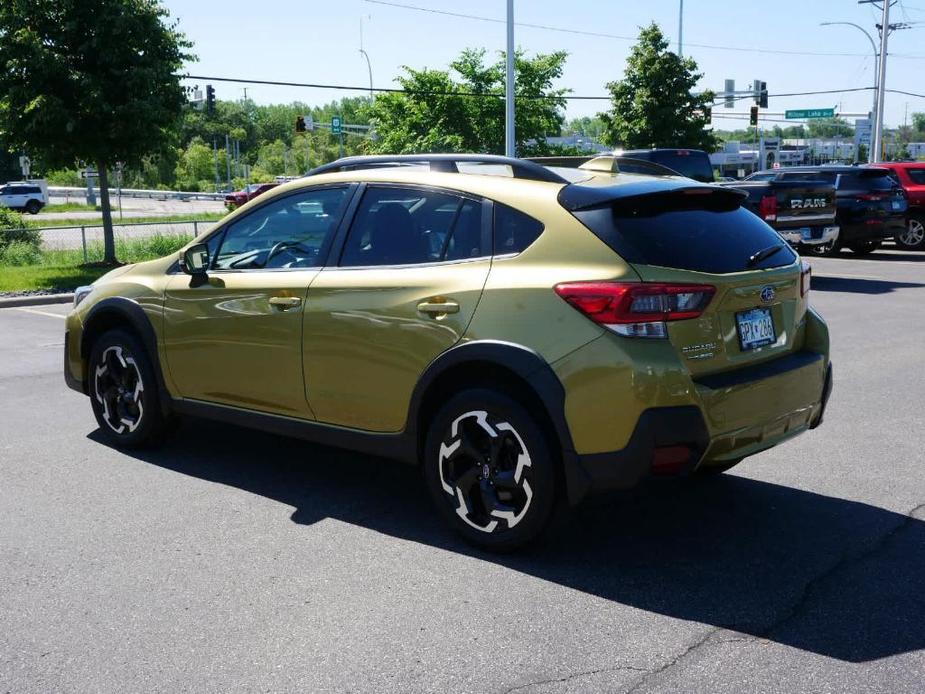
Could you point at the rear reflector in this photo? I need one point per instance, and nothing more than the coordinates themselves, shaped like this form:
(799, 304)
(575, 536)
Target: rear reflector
(806, 272)
(637, 309)
(670, 460)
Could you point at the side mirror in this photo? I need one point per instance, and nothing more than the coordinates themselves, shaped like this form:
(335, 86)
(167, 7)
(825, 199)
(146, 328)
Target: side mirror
(195, 260)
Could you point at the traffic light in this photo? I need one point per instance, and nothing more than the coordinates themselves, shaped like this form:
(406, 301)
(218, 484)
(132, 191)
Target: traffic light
(763, 95)
(210, 99)
(753, 119)
(300, 124)
(708, 114)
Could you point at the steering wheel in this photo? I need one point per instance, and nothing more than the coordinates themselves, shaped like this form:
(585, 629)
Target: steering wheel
(286, 245)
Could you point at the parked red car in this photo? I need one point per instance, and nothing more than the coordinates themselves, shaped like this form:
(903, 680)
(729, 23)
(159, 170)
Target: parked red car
(911, 176)
(251, 191)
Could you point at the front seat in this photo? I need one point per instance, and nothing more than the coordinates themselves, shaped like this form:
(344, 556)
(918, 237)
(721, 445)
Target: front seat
(394, 239)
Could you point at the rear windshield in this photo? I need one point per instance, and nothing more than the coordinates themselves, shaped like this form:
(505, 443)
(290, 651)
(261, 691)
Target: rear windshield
(866, 180)
(686, 232)
(694, 165)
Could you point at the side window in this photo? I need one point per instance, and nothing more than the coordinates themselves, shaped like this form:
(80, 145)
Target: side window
(406, 226)
(514, 230)
(289, 232)
(762, 177)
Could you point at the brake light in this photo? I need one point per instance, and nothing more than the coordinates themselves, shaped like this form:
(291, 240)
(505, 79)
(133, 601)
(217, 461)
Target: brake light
(637, 309)
(767, 208)
(806, 276)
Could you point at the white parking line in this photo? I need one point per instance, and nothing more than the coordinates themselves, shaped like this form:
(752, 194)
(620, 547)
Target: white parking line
(38, 313)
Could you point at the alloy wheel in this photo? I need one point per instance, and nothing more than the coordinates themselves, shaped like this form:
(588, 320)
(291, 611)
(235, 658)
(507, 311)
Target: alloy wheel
(118, 387)
(486, 470)
(914, 235)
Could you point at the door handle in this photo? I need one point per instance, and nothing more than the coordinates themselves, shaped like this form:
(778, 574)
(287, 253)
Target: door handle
(438, 307)
(284, 302)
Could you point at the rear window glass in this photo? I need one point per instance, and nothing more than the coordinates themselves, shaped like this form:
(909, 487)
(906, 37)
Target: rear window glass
(704, 235)
(876, 180)
(917, 176)
(694, 165)
(514, 230)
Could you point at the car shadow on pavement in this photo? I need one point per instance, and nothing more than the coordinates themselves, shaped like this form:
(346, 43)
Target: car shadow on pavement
(858, 285)
(839, 578)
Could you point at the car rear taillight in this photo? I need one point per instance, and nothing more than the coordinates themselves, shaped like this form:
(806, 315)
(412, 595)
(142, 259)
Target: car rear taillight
(767, 208)
(871, 197)
(806, 276)
(637, 309)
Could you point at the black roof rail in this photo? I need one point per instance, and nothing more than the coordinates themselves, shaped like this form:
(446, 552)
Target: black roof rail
(444, 163)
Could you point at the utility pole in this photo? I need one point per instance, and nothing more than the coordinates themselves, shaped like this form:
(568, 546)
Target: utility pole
(681, 30)
(509, 139)
(228, 159)
(877, 154)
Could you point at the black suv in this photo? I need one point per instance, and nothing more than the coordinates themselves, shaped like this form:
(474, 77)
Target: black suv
(692, 163)
(870, 206)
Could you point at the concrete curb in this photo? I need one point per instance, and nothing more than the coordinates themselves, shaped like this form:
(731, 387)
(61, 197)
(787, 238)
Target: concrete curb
(38, 300)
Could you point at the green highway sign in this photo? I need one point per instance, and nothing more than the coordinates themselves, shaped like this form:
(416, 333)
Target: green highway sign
(335, 125)
(811, 113)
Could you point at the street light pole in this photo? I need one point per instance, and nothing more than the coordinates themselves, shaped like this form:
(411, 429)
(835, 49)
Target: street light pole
(369, 67)
(881, 81)
(874, 108)
(509, 85)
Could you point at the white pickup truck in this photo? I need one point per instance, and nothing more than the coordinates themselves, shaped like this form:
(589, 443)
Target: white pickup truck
(30, 196)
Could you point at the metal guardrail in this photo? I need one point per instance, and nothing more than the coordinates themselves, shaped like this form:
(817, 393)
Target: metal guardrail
(88, 237)
(67, 191)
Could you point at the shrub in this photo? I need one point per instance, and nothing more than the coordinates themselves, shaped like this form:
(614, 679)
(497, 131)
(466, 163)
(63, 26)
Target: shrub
(12, 230)
(20, 253)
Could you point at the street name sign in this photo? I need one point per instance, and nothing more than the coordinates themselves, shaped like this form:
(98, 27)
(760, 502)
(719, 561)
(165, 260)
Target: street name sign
(810, 113)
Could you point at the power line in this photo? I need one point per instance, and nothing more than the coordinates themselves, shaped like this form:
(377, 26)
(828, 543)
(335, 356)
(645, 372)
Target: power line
(619, 37)
(490, 95)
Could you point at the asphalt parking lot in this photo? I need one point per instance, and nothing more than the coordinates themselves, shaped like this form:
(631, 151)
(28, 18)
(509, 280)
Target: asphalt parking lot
(237, 561)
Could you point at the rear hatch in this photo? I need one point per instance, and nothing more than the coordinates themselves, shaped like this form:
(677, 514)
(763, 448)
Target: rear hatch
(872, 195)
(682, 233)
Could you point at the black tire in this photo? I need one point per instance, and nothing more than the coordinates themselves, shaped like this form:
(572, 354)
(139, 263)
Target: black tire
(124, 391)
(33, 206)
(826, 249)
(718, 469)
(913, 239)
(512, 505)
(865, 247)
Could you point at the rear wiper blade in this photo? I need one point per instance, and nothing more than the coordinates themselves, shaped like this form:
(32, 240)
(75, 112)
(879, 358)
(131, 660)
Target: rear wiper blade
(756, 258)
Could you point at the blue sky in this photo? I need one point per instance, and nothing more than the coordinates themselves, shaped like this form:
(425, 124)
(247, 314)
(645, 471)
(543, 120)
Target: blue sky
(318, 41)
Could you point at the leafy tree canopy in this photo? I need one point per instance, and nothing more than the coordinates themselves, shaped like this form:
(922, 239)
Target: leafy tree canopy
(90, 80)
(437, 112)
(655, 104)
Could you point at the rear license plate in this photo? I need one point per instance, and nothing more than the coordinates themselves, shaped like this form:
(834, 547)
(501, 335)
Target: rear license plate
(897, 204)
(756, 328)
(809, 234)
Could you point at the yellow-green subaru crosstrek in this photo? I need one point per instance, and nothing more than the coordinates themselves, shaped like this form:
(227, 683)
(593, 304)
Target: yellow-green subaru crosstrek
(527, 334)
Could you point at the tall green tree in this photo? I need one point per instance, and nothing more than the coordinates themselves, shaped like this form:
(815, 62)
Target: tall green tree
(829, 127)
(92, 81)
(655, 104)
(462, 109)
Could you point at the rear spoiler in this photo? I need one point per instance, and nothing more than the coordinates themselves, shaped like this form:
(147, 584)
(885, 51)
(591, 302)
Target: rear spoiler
(654, 191)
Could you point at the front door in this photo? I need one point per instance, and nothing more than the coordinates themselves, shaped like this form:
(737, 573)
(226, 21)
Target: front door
(236, 339)
(403, 287)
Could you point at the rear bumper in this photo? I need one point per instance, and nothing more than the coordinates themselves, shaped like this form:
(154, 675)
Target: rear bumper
(872, 230)
(740, 414)
(810, 236)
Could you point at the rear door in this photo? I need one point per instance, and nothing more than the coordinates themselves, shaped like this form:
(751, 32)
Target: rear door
(702, 236)
(401, 289)
(873, 195)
